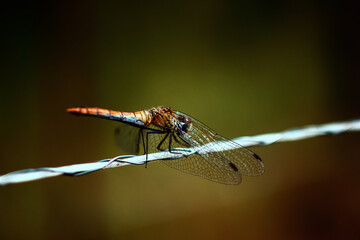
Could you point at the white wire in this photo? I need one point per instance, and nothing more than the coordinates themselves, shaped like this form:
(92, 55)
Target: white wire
(119, 161)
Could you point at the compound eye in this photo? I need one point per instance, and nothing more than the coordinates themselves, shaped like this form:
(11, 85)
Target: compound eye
(185, 127)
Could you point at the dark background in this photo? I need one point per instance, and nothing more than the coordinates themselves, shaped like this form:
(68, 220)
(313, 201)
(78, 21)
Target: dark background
(241, 67)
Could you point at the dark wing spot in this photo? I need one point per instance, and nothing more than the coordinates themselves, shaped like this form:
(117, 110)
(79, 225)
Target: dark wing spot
(233, 167)
(257, 157)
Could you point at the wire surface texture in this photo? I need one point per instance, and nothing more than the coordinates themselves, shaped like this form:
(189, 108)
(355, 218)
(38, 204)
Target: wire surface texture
(124, 160)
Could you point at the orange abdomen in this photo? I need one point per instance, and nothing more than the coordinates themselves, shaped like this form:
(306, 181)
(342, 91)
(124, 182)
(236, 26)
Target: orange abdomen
(140, 118)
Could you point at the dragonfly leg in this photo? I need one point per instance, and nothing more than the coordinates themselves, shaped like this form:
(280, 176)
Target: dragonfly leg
(147, 143)
(184, 143)
(173, 150)
(161, 142)
(142, 137)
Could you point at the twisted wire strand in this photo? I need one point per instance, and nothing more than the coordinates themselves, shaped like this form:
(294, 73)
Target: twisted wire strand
(293, 134)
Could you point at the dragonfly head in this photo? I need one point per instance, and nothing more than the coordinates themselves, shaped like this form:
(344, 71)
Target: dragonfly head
(184, 123)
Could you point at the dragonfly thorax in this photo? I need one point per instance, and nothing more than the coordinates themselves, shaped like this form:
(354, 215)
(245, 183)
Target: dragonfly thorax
(170, 121)
(163, 117)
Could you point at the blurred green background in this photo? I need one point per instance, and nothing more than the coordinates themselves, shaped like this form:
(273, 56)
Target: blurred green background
(241, 67)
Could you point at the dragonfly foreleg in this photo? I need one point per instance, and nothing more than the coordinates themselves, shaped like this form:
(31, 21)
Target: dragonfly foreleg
(184, 143)
(175, 150)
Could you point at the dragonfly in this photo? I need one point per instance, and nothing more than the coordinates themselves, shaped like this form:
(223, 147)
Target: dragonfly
(162, 129)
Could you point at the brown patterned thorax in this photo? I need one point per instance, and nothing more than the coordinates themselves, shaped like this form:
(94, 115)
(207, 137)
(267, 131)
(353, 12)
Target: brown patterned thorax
(163, 117)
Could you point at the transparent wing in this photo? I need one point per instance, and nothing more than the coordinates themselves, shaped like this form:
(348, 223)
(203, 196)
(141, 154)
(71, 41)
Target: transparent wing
(216, 170)
(225, 160)
(128, 138)
(132, 139)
